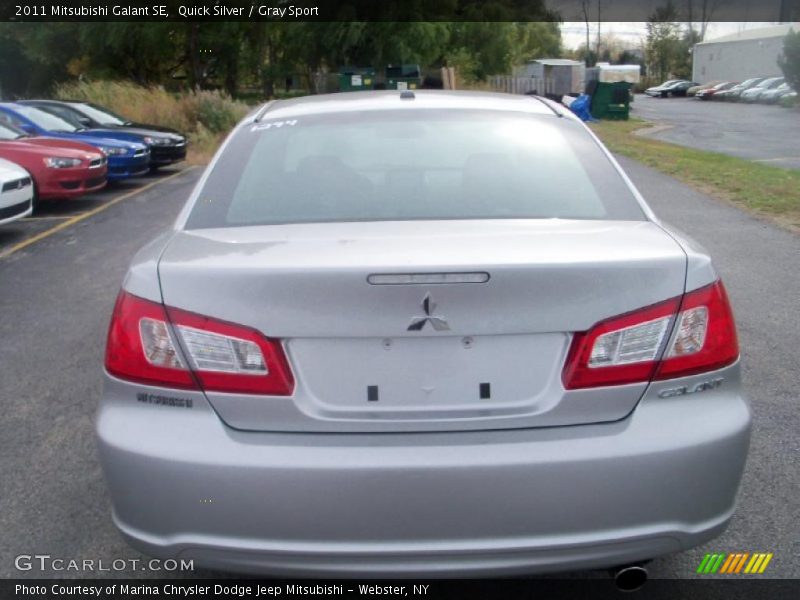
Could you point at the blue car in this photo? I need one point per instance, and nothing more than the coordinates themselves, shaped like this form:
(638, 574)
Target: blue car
(126, 158)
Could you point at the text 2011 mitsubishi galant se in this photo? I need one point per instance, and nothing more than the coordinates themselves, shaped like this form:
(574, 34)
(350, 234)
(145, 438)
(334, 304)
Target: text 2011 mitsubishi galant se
(420, 334)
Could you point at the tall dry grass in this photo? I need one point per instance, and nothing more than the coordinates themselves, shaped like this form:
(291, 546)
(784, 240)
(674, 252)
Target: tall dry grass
(205, 116)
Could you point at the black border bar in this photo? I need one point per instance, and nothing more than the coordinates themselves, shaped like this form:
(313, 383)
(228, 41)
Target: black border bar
(732, 588)
(388, 10)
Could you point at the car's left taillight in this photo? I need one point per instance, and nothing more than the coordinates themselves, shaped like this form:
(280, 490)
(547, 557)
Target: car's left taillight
(143, 347)
(686, 335)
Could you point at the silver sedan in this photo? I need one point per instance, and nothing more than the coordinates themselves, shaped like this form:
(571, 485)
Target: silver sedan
(420, 334)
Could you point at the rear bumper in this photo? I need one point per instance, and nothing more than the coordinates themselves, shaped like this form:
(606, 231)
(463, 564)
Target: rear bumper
(479, 503)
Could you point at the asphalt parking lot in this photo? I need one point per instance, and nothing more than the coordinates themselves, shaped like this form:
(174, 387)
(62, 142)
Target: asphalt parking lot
(763, 133)
(58, 289)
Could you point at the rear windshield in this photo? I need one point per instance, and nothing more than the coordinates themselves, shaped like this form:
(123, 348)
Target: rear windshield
(411, 165)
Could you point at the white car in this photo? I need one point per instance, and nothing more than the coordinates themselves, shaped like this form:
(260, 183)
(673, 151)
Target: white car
(754, 94)
(16, 192)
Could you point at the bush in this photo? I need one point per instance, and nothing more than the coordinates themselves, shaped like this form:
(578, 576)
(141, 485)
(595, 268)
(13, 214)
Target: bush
(789, 61)
(205, 116)
(215, 111)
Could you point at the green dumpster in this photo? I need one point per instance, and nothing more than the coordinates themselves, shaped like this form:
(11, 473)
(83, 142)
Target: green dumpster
(611, 100)
(403, 77)
(356, 79)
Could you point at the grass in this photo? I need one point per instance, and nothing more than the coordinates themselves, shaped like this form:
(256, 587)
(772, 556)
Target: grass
(205, 116)
(766, 191)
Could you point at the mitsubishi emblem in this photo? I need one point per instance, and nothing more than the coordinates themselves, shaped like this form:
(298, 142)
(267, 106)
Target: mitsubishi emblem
(428, 307)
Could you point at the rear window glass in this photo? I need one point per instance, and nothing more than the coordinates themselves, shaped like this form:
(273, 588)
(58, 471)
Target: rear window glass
(407, 165)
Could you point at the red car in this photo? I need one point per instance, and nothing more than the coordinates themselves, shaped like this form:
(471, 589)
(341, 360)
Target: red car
(60, 168)
(708, 93)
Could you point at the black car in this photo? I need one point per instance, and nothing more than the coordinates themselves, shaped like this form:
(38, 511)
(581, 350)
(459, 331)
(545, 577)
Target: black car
(673, 87)
(167, 146)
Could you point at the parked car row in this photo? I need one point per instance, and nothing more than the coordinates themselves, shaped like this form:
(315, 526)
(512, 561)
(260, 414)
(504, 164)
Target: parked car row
(758, 89)
(61, 150)
(767, 90)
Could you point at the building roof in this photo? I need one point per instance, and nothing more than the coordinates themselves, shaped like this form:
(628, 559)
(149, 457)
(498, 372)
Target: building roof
(754, 34)
(556, 62)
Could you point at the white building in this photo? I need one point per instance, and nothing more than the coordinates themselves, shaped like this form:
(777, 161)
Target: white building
(739, 56)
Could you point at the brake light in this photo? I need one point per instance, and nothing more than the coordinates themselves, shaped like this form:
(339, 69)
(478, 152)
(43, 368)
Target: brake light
(705, 335)
(675, 338)
(232, 358)
(222, 357)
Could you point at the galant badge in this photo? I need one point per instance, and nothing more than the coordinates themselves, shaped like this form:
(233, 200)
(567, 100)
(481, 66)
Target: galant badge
(438, 323)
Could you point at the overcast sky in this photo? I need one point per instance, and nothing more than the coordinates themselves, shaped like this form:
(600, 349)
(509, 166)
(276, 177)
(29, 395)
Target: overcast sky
(573, 33)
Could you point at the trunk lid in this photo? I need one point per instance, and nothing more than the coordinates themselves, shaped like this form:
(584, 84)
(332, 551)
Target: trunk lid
(478, 342)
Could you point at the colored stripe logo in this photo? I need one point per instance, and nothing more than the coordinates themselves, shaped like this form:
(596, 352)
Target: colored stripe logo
(734, 563)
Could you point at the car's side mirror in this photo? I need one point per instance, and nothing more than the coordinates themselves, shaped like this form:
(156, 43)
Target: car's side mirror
(85, 121)
(27, 128)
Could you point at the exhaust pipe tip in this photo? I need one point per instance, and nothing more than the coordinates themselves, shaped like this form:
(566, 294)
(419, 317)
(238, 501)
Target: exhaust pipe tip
(630, 578)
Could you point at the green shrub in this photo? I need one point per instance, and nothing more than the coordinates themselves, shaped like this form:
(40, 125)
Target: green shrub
(217, 112)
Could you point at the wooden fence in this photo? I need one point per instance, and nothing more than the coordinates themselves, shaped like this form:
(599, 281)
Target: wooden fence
(521, 85)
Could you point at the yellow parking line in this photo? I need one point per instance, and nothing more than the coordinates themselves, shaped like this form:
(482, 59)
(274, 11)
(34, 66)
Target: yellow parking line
(86, 215)
(51, 217)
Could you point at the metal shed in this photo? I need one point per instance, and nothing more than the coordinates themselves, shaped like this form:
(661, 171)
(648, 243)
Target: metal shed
(560, 75)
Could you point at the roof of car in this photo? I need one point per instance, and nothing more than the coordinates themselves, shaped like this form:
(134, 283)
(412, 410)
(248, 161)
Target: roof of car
(395, 99)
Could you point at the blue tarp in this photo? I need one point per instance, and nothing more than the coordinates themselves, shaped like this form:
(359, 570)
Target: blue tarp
(580, 106)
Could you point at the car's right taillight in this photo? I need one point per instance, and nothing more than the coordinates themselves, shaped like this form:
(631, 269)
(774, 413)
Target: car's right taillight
(223, 357)
(704, 337)
(675, 338)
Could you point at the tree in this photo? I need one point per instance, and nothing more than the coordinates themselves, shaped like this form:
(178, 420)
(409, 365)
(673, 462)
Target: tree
(237, 55)
(135, 51)
(599, 22)
(14, 64)
(585, 13)
(664, 45)
(704, 9)
(789, 61)
(479, 49)
(531, 40)
(682, 66)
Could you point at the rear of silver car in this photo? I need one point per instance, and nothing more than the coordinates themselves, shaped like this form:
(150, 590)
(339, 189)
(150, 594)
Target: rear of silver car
(356, 355)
